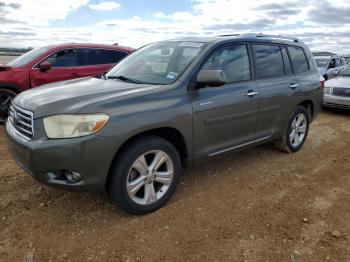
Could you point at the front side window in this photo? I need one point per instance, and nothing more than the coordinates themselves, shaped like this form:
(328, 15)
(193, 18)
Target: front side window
(299, 61)
(63, 58)
(269, 61)
(232, 60)
(159, 63)
(332, 63)
(97, 56)
(338, 62)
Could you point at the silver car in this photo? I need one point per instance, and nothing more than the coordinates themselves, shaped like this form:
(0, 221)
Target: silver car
(330, 66)
(337, 91)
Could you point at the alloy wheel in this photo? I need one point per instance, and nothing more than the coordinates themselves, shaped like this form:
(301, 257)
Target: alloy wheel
(5, 102)
(150, 177)
(298, 130)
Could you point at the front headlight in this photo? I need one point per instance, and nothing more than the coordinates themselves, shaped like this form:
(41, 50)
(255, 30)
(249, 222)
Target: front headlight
(69, 126)
(328, 90)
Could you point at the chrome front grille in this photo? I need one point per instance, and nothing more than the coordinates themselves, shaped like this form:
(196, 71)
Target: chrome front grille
(341, 92)
(22, 121)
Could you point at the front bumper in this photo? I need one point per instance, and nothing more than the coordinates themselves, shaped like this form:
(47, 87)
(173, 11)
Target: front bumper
(330, 100)
(90, 156)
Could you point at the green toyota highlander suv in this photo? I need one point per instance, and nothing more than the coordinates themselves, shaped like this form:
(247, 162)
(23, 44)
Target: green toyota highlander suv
(130, 132)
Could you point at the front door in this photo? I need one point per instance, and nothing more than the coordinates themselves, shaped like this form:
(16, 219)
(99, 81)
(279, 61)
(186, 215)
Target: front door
(64, 67)
(225, 117)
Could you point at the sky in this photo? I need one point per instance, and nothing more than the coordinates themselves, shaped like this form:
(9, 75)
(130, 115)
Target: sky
(323, 25)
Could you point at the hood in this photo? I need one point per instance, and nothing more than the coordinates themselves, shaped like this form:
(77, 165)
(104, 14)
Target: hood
(341, 81)
(75, 95)
(4, 67)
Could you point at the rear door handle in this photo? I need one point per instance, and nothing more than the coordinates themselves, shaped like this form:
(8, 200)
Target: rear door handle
(252, 93)
(293, 86)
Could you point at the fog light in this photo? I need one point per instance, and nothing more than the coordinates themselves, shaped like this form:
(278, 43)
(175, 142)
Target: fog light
(72, 176)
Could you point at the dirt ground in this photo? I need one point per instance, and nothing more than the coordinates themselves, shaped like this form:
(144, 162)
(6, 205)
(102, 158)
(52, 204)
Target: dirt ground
(6, 59)
(258, 205)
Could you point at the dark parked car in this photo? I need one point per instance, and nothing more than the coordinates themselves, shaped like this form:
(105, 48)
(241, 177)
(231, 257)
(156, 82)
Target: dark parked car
(162, 108)
(54, 63)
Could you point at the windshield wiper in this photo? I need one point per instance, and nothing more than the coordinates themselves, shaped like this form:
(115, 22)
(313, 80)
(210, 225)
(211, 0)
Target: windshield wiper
(126, 79)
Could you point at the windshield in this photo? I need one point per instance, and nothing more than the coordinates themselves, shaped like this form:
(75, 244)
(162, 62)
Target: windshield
(346, 72)
(28, 57)
(158, 64)
(321, 62)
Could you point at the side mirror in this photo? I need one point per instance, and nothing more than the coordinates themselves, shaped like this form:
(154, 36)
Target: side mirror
(211, 77)
(44, 66)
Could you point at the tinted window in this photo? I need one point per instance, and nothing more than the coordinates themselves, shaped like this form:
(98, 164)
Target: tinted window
(299, 60)
(332, 63)
(232, 60)
(91, 56)
(63, 58)
(286, 61)
(338, 62)
(269, 61)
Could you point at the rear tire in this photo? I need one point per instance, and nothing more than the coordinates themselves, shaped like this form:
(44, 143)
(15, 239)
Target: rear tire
(296, 132)
(6, 97)
(145, 176)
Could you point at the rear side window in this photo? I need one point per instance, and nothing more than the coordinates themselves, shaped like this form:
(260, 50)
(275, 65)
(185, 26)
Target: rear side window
(90, 56)
(233, 60)
(286, 62)
(269, 61)
(299, 61)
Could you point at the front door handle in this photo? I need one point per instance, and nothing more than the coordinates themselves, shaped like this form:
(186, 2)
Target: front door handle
(252, 93)
(293, 86)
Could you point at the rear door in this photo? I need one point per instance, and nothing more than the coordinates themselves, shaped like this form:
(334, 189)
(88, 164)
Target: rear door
(225, 117)
(277, 85)
(64, 66)
(95, 61)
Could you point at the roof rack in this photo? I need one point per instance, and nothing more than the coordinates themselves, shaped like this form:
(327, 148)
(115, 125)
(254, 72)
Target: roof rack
(228, 35)
(283, 37)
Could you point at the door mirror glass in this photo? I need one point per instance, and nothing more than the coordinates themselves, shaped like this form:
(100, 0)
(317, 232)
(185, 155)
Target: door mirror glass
(211, 77)
(44, 66)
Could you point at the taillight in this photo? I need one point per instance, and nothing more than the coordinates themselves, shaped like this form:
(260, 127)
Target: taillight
(322, 81)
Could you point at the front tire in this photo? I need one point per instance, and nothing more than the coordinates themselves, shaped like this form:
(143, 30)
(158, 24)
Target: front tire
(6, 97)
(296, 132)
(145, 176)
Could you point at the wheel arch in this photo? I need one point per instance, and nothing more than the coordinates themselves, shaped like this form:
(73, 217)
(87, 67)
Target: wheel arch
(172, 135)
(310, 106)
(11, 87)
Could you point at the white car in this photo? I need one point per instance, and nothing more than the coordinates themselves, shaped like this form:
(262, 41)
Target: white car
(337, 91)
(330, 66)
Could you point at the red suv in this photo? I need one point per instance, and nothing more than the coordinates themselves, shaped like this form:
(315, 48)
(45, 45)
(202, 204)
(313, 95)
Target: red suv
(55, 63)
